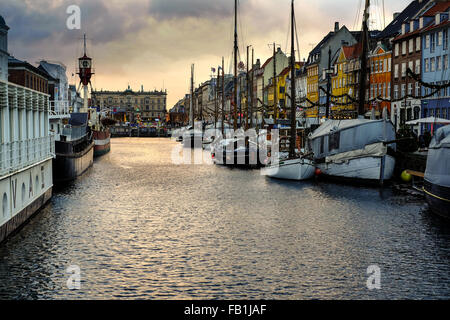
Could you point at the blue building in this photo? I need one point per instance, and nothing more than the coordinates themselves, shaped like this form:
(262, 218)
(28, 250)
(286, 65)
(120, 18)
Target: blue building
(435, 61)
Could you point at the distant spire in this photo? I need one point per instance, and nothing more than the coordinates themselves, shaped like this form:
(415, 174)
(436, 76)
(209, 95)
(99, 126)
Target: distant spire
(84, 37)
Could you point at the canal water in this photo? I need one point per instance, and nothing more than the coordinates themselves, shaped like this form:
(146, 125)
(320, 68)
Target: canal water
(140, 227)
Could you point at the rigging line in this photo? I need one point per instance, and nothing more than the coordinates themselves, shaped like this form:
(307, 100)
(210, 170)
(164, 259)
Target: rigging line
(356, 22)
(296, 36)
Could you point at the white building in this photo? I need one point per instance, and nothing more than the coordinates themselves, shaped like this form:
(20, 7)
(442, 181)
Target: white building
(26, 148)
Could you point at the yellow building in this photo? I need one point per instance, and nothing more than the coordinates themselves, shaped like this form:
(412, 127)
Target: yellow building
(343, 82)
(312, 83)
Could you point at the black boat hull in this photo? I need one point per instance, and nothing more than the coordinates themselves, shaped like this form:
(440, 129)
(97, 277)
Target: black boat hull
(438, 198)
(69, 166)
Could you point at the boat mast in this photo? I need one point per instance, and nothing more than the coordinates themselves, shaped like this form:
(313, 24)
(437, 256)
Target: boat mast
(247, 94)
(223, 96)
(191, 102)
(235, 65)
(293, 137)
(251, 88)
(216, 95)
(275, 111)
(365, 44)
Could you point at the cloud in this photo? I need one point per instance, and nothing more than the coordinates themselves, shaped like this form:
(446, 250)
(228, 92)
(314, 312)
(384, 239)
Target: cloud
(148, 41)
(206, 9)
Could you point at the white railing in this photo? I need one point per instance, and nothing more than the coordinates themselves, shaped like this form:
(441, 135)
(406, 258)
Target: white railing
(59, 108)
(21, 154)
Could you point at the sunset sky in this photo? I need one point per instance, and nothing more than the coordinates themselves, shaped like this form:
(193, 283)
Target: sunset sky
(154, 42)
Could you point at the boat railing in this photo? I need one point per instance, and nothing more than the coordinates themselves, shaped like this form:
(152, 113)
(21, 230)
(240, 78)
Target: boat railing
(59, 108)
(17, 155)
(73, 133)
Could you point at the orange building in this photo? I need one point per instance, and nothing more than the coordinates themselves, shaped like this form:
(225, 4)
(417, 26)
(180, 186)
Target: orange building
(380, 79)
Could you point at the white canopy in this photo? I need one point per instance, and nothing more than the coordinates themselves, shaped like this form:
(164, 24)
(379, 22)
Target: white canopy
(429, 120)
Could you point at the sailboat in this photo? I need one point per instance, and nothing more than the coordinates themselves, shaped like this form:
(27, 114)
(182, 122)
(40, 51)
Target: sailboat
(295, 167)
(359, 149)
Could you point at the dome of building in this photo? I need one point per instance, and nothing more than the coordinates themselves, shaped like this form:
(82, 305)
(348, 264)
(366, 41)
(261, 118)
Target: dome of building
(3, 23)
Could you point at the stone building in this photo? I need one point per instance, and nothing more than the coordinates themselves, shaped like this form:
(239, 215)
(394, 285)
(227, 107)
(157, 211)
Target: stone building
(132, 106)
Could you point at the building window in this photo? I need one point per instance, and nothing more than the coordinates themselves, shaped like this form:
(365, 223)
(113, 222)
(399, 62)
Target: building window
(403, 47)
(445, 40)
(418, 44)
(432, 42)
(439, 39)
(432, 64)
(417, 66)
(403, 90)
(427, 65)
(403, 69)
(438, 63)
(410, 88)
(445, 58)
(417, 89)
(396, 71)
(427, 41)
(396, 91)
(396, 49)
(411, 46)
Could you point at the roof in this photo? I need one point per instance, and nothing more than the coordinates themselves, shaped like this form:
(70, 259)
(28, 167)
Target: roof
(434, 26)
(438, 7)
(353, 51)
(15, 63)
(396, 25)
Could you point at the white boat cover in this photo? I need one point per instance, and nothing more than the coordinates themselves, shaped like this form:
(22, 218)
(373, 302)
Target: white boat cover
(338, 136)
(438, 161)
(373, 150)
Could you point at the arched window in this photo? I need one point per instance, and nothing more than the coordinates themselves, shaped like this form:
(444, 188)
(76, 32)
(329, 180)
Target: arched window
(5, 205)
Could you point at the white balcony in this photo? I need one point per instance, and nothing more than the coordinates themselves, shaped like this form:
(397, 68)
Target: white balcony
(59, 109)
(17, 155)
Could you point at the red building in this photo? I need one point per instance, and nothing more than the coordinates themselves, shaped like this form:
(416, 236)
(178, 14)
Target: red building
(26, 75)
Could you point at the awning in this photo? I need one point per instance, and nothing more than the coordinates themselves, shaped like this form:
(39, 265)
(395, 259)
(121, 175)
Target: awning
(429, 120)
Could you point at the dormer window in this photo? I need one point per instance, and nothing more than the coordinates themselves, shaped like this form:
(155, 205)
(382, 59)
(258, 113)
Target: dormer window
(438, 18)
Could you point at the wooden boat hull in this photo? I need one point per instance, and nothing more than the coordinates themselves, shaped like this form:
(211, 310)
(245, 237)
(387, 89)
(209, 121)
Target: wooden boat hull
(363, 169)
(295, 169)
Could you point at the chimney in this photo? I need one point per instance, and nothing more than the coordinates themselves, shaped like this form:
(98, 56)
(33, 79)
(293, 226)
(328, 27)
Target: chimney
(142, 88)
(396, 14)
(336, 26)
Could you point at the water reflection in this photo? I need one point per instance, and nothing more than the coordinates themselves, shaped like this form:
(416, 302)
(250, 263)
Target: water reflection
(141, 227)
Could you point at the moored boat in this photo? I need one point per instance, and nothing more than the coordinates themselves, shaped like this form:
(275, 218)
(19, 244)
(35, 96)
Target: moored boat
(74, 151)
(102, 142)
(296, 166)
(358, 149)
(291, 169)
(437, 174)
